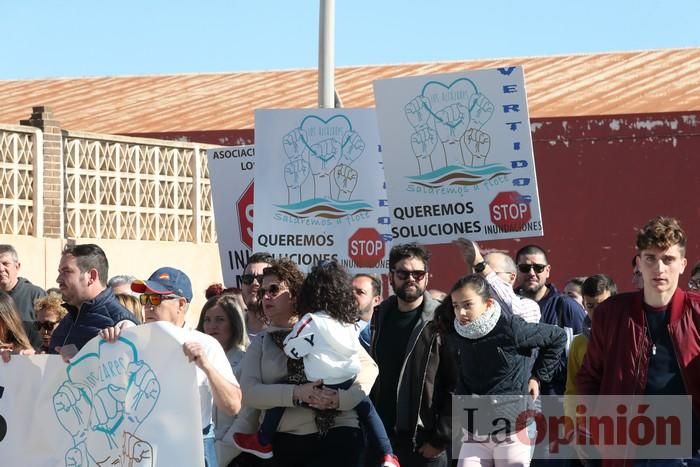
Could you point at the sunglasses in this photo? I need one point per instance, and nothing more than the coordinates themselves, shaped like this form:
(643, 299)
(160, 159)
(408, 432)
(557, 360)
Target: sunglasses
(155, 299)
(525, 268)
(47, 325)
(404, 275)
(248, 279)
(272, 291)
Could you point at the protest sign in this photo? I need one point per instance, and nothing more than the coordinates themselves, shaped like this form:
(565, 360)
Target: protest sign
(458, 156)
(319, 189)
(134, 402)
(231, 172)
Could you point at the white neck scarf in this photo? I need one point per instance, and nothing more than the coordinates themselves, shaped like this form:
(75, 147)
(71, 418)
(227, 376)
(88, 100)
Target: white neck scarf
(481, 326)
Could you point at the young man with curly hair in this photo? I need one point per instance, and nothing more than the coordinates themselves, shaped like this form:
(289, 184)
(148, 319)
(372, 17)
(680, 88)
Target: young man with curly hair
(646, 342)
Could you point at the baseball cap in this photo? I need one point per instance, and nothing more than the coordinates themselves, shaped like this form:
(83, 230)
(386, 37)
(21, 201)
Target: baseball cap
(165, 281)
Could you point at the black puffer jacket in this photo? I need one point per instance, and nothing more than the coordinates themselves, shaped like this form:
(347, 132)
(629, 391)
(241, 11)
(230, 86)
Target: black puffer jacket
(500, 363)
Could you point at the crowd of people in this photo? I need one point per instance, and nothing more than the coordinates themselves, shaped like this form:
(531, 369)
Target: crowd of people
(319, 369)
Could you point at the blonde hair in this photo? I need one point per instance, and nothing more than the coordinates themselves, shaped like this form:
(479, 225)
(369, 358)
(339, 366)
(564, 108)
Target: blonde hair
(51, 303)
(132, 304)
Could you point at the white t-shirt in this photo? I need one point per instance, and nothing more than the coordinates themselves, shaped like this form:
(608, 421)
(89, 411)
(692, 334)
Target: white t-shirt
(217, 357)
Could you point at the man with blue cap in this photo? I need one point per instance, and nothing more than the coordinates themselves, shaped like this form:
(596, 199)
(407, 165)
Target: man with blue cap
(166, 296)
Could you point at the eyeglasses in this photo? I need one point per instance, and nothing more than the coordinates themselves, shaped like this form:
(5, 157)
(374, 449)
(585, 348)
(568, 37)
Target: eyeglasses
(248, 279)
(155, 299)
(47, 325)
(272, 291)
(525, 268)
(694, 284)
(404, 275)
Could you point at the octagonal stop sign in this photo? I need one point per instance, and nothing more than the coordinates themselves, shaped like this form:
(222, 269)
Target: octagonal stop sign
(244, 215)
(510, 210)
(366, 247)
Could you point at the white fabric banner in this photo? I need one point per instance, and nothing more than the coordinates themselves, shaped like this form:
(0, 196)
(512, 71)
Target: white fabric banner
(131, 403)
(231, 171)
(458, 156)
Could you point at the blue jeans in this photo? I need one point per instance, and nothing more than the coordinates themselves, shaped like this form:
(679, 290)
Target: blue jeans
(366, 414)
(210, 459)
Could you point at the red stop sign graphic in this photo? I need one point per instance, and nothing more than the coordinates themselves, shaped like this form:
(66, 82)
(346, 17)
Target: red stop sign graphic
(510, 210)
(366, 247)
(244, 214)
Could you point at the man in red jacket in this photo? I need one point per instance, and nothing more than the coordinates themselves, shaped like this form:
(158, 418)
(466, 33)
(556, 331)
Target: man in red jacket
(648, 342)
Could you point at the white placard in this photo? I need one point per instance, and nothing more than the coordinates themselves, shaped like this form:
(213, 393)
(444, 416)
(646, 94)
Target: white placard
(231, 171)
(319, 188)
(458, 156)
(131, 403)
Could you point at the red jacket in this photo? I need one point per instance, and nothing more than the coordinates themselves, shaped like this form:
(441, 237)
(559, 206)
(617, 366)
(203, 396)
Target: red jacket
(617, 358)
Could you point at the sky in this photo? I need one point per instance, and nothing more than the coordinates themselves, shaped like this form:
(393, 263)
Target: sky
(72, 38)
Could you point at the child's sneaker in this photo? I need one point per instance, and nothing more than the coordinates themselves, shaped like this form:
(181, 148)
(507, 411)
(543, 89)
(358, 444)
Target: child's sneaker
(249, 442)
(390, 460)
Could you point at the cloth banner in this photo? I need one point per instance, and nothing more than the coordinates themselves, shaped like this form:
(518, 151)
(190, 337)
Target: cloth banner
(130, 403)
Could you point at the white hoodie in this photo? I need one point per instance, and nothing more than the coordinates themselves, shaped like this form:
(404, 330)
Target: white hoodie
(329, 348)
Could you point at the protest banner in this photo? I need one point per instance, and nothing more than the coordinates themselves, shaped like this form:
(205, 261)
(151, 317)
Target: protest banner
(458, 156)
(134, 402)
(231, 171)
(319, 190)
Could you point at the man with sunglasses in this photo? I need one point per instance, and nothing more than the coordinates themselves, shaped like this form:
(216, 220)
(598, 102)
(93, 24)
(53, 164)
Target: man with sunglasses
(555, 307)
(409, 390)
(251, 281)
(166, 296)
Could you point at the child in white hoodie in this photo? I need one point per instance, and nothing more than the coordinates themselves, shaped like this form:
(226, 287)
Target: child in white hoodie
(326, 338)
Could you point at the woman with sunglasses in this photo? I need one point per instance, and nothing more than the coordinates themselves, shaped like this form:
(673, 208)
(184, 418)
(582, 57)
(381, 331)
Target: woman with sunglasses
(494, 359)
(13, 338)
(49, 312)
(270, 379)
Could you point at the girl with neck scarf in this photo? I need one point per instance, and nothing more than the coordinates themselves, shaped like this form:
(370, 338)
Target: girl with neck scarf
(494, 358)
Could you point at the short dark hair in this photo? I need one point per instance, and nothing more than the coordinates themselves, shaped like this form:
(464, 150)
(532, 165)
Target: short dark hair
(408, 250)
(89, 256)
(598, 284)
(577, 281)
(696, 269)
(374, 280)
(531, 250)
(259, 257)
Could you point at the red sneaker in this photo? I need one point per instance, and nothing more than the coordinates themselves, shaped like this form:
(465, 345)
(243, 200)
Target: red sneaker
(390, 460)
(248, 442)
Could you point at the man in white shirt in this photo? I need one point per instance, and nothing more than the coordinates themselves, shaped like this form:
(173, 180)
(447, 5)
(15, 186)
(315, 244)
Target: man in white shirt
(166, 296)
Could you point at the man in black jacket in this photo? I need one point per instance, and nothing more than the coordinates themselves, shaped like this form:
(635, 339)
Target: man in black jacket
(412, 392)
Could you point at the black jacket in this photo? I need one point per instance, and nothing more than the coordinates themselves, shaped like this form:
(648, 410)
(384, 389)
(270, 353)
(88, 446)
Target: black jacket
(500, 363)
(427, 380)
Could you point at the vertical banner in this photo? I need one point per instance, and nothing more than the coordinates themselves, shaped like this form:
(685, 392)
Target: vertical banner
(319, 190)
(231, 172)
(458, 156)
(134, 402)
